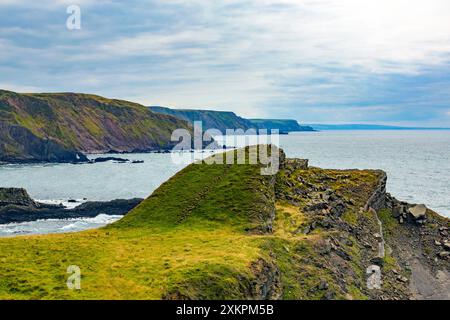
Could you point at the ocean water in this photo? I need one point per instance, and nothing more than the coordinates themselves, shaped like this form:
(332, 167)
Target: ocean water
(56, 225)
(417, 163)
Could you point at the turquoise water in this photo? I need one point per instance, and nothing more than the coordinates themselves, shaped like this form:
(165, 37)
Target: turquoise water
(417, 163)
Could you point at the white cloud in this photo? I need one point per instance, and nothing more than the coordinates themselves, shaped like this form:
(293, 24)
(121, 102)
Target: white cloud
(239, 55)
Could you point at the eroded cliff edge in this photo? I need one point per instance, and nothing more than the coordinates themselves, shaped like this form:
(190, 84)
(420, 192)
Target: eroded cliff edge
(226, 232)
(359, 227)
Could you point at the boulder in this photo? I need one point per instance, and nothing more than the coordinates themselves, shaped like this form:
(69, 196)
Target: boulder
(446, 246)
(418, 212)
(16, 197)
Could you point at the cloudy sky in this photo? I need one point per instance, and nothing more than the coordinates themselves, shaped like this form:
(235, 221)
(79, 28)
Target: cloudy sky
(329, 61)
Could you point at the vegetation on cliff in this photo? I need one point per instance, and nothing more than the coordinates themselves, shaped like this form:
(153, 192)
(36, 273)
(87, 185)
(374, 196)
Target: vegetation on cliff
(222, 120)
(227, 232)
(61, 126)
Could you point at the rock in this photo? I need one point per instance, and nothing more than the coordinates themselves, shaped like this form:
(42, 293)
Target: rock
(397, 211)
(446, 246)
(307, 230)
(329, 295)
(379, 261)
(444, 254)
(402, 279)
(16, 197)
(344, 255)
(21, 208)
(437, 243)
(323, 285)
(418, 212)
(348, 242)
(297, 164)
(105, 159)
(378, 236)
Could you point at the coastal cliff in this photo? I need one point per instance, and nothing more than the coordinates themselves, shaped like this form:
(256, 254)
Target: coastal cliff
(62, 127)
(227, 232)
(222, 120)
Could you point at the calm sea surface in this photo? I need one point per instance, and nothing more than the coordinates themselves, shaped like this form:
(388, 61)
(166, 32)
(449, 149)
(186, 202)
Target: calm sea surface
(417, 163)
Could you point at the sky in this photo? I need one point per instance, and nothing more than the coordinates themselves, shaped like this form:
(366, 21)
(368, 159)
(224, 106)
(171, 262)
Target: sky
(317, 61)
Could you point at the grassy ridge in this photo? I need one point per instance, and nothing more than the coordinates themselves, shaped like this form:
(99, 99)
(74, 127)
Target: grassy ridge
(202, 235)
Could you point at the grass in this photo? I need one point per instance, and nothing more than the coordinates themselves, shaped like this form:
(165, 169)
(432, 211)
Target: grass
(87, 122)
(196, 237)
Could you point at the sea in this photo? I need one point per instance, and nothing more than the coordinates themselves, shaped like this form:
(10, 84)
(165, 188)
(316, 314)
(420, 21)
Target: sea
(417, 164)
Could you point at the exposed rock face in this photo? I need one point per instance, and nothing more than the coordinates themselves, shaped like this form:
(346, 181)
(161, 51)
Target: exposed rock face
(60, 127)
(267, 285)
(18, 144)
(16, 197)
(297, 164)
(378, 199)
(405, 242)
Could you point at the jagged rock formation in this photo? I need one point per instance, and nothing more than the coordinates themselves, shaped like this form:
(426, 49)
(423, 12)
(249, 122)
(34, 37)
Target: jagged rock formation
(60, 127)
(18, 144)
(17, 206)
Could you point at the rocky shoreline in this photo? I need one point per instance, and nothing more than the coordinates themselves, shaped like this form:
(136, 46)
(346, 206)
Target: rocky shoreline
(17, 206)
(412, 234)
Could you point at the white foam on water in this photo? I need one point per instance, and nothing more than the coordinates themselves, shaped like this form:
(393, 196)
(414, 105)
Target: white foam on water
(66, 203)
(56, 225)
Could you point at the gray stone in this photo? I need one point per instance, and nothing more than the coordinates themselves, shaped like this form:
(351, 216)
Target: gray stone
(323, 285)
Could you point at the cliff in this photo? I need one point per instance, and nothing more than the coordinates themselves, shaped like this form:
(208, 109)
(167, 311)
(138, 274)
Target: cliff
(227, 232)
(61, 127)
(222, 120)
(283, 126)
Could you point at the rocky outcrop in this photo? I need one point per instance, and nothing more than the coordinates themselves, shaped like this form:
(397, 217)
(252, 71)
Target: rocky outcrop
(17, 206)
(267, 284)
(20, 145)
(15, 197)
(377, 200)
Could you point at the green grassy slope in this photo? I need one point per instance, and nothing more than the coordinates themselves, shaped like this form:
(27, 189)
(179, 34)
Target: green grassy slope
(206, 234)
(83, 122)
